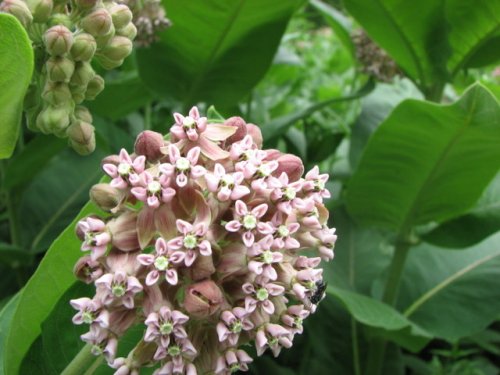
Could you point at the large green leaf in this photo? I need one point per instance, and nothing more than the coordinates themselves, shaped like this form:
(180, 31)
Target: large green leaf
(452, 294)
(427, 162)
(16, 67)
(6, 315)
(52, 279)
(216, 51)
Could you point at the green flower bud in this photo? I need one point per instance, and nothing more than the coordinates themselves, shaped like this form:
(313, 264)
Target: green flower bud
(82, 113)
(97, 23)
(129, 31)
(103, 40)
(95, 86)
(105, 196)
(83, 74)
(85, 4)
(53, 119)
(108, 63)
(56, 93)
(60, 19)
(78, 93)
(84, 47)
(121, 15)
(119, 48)
(60, 69)
(58, 40)
(41, 9)
(18, 9)
(81, 137)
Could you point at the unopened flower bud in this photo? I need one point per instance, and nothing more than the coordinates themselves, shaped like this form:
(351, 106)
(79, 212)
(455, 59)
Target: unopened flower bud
(95, 86)
(83, 74)
(291, 165)
(53, 119)
(121, 15)
(60, 69)
(18, 9)
(84, 47)
(108, 63)
(97, 23)
(202, 268)
(56, 93)
(58, 40)
(81, 137)
(123, 231)
(203, 299)
(60, 19)
(118, 48)
(256, 134)
(104, 196)
(82, 113)
(129, 31)
(85, 4)
(148, 143)
(41, 9)
(103, 40)
(78, 93)
(238, 123)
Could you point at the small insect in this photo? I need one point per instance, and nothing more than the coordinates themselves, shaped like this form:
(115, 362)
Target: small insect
(319, 292)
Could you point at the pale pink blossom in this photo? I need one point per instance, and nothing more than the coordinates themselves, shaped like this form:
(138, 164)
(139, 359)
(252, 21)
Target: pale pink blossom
(314, 185)
(153, 190)
(164, 324)
(177, 350)
(118, 288)
(284, 193)
(248, 222)
(232, 361)
(232, 323)
(192, 241)
(90, 311)
(226, 185)
(259, 294)
(293, 318)
(272, 336)
(176, 368)
(96, 237)
(182, 168)
(283, 233)
(101, 341)
(262, 258)
(126, 173)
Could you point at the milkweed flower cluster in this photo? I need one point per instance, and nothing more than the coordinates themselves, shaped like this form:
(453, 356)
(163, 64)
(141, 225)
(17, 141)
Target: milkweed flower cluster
(203, 245)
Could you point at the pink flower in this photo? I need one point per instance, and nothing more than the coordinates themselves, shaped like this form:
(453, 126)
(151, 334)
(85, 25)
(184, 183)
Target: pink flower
(192, 241)
(88, 270)
(181, 167)
(96, 237)
(102, 341)
(272, 336)
(259, 294)
(232, 361)
(162, 262)
(154, 190)
(163, 325)
(315, 183)
(283, 233)
(126, 173)
(226, 185)
(118, 288)
(249, 222)
(284, 193)
(294, 317)
(263, 258)
(90, 311)
(179, 368)
(232, 323)
(178, 349)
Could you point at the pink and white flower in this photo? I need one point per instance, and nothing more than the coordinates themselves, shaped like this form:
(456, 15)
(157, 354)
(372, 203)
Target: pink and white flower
(248, 222)
(192, 241)
(153, 190)
(232, 323)
(272, 336)
(259, 294)
(315, 185)
(96, 237)
(164, 324)
(293, 318)
(262, 258)
(182, 168)
(90, 311)
(226, 185)
(231, 361)
(101, 341)
(126, 173)
(284, 193)
(118, 288)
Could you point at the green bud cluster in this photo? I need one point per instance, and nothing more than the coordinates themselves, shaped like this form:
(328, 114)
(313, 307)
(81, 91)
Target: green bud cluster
(68, 36)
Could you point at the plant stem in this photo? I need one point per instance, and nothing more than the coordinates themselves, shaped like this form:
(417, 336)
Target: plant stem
(84, 363)
(355, 347)
(434, 93)
(377, 347)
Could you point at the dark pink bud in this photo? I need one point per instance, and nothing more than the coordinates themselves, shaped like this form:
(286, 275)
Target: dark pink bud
(203, 299)
(202, 268)
(149, 143)
(256, 134)
(291, 165)
(238, 123)
(123, 231)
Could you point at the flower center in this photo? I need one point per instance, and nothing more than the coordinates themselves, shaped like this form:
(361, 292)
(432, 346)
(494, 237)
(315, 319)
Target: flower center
(188, 122)
(166, 328)
(87, 317)
(249, 222)
(290, 193)
(118, 290)
(262, 294)
(124, 169)
(235, 367)
(174, 350)
(267, 257)
(190, 241)
(319, 185)
(272, 341)
(227, 180)
(182, 164)
(96, 350)
(297, 322)
(264, 170)
(283, 231)
(161, 263)
(154, 187)
(236, 327)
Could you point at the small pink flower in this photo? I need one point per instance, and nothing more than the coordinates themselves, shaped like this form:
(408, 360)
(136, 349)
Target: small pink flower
(118, 288)
(263, 258)
(327, 238)
(239, 149)
(226, 185)
(283, 233)
(284, 193)
(249, 222)
(88, 270)
(163, 325)
(153, 190)
(232, 361)
(272, 336)
(178, 349)
(306, 284)
(232, 323)
(124, 366)
(102, 342)
(189, 126)
(182, 167)
(314, 185)
(163, 261)
(192, 241)
(293, 318)
(96, 237)
(126, 173)
(90, 311)
(176, 368)
(259, 294)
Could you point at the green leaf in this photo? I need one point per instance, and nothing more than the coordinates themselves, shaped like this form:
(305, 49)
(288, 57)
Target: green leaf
(452, 294)
(216, 51)
(51, 280)
(16, 65)
(427, 162)
(6, 316)
(14, 256)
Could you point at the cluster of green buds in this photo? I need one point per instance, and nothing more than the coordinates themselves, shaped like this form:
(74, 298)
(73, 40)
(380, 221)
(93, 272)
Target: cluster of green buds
(67, 36)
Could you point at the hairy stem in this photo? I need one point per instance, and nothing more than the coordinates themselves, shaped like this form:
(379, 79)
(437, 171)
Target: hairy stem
(83, 363)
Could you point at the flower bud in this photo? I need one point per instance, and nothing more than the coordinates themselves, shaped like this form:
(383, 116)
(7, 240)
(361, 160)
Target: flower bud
(85, 4)
(291, 165)
(60, 69)
(78, 93)
(58, 40)
(87, 270)
(95, 86)
(121, 15)
(97, 23)
(203, 299)
(148, 143)
(83, 74)
(82, 113)
(103, 40)
(81, 137)
(56, 93)
(53, 119)
(129, 31)
(108, 63)
(18, 9)
(118, 48)
(238, 123)
(104, 196)
(60, 19)
(202, 268)
(41, 9)
(84, 47)
(123, 231)
(256, 134)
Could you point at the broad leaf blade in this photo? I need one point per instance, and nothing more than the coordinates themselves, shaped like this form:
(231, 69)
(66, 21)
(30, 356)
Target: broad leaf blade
(419, 164)
(16, 67)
